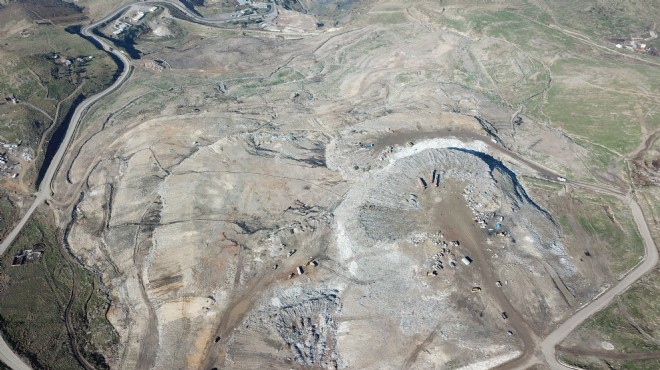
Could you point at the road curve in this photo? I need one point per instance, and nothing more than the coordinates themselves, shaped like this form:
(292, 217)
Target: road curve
(548, 346)
(6, 354)
(45, 191)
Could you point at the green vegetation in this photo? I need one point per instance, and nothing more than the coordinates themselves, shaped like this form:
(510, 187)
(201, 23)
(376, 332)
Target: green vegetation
(594, 97)
(577, 362)
(551, 185)
(641, 365)
(33, 299)
(593, 363)
(285, 75)
(48, 68)
(452, 364)
(631, 324)
(637, 311)
(605, 18)
(608, 222)
(600, 225)
(7, 214)
(387, 18)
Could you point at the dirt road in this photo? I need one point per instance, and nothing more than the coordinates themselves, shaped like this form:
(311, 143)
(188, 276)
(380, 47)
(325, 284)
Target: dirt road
(45, 191)
(6, 354)
(548, 346)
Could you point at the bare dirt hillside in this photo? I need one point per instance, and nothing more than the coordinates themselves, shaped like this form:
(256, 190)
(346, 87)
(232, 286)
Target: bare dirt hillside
(355, 196)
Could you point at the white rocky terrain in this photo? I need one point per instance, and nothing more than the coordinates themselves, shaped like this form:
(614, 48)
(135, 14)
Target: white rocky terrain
(272, 216)
(204, 236)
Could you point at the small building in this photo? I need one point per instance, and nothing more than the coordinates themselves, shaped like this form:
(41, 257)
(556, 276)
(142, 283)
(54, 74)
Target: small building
(300, 270)
(119, 28)
(28, 255)
(422, 183)
(260, 5)
(138, 15)
(466, 260)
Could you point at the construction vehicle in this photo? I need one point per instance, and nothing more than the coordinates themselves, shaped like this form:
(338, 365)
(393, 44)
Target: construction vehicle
(505, 316)
(422, 183)
(476, 289)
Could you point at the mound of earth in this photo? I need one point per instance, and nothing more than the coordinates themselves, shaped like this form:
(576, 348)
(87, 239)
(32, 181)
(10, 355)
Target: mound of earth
(478, 202)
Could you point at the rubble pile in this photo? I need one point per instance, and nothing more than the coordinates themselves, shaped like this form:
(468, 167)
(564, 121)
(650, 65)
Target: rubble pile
(308, 327)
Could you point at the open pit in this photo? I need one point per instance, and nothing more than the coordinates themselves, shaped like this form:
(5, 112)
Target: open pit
(217, 228)
(327, 199)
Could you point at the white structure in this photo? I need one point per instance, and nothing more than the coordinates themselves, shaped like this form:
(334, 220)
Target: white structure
(120, 27)
(138, 15)
(466, 260)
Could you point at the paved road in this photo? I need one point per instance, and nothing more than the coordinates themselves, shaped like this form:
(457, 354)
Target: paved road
(6, 354)
(548, 345)
(45, 191)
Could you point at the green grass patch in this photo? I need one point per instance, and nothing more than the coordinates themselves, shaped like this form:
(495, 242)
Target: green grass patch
(387, 18)
(641, 365)
(577, 362)
(7, 215)
(610, 224)
(44, 68)
(603, 117)
(637, 308)
(33, 299)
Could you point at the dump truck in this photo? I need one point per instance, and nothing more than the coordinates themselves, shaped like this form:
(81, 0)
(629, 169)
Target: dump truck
(422, 183)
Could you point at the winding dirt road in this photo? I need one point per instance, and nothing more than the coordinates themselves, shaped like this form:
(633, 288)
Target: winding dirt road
(6, 354)
(548, 345)
(45, 192)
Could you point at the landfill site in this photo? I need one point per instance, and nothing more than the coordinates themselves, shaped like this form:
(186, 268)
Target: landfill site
(323, 198)
(273, 250)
